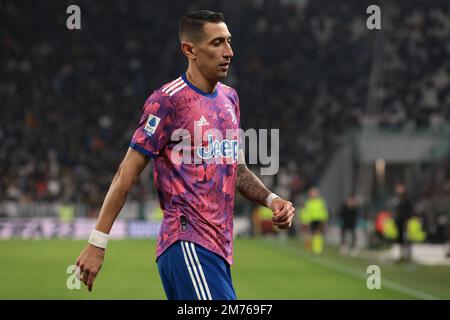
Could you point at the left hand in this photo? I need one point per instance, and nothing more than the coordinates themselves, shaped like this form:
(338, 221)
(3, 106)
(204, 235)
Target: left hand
(283, 212)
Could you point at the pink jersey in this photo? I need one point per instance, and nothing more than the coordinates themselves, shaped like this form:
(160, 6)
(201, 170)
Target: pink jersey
(197, 196)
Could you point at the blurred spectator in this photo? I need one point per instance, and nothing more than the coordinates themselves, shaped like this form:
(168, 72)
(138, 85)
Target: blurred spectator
(315, 214)
(348, 216)
(262, 221)
(402, 213)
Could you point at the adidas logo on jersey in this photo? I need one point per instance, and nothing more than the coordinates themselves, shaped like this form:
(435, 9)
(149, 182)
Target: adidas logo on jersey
(202, 122)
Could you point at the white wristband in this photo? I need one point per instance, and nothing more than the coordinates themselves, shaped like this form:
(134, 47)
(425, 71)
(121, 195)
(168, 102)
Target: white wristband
(269, 200)
(98, 239)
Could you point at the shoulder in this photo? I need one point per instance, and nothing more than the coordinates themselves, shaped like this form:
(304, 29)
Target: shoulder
(172, 88)
(157, 100)
(229, 91)
(164, 95)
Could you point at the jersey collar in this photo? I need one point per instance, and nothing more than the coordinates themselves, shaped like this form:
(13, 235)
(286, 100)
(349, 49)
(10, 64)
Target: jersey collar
(209, 95)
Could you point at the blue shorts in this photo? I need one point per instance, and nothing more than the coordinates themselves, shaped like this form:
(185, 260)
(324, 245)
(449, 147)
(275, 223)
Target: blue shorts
(190, 272)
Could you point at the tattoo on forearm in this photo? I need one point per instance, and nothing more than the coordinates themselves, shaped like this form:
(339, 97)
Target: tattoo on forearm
(250, 186)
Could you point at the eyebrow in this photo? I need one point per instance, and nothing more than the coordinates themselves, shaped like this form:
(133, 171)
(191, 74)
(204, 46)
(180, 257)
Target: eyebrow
(220, 38)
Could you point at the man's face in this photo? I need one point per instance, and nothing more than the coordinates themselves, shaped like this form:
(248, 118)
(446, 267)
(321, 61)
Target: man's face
(313, 193)
(400, 189)
(351, 202)
(213, 51)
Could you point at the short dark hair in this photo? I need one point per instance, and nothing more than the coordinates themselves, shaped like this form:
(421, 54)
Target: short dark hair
(191, 24)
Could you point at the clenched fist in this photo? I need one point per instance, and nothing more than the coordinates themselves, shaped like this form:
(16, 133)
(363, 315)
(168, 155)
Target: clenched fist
(90, 262)
(283, 213)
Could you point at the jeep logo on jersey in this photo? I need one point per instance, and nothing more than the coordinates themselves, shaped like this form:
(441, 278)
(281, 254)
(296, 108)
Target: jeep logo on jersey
(215, 149)
(152, 124)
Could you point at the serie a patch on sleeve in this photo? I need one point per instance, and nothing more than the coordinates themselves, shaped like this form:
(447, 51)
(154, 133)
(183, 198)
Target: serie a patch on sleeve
(152, 124)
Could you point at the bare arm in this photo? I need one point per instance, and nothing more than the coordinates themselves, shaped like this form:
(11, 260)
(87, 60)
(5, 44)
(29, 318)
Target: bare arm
(91, 258)
(252, 188)
(127, 174)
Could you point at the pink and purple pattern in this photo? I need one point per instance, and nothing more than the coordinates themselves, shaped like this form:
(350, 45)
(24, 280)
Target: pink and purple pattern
(197, 198)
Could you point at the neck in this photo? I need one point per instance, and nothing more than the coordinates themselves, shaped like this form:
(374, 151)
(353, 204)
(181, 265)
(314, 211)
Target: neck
(197, 79)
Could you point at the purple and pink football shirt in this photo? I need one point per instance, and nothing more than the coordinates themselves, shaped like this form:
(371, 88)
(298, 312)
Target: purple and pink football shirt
(196, 194)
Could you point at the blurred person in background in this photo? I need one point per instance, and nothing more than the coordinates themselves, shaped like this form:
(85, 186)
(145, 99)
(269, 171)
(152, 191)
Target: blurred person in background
(447, 242)
(314, 214)
(403, 211)
(262, 221)
(380, 226)
(348, 216)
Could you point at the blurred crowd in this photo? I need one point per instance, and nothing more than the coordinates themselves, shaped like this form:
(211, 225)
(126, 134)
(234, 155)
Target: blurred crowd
(416, 69)
(437, 182)
(70, 100)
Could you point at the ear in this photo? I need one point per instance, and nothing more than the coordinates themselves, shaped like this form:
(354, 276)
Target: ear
(188, 50)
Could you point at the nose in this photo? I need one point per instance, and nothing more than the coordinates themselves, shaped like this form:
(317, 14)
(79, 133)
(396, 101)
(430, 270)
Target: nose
(228, 52)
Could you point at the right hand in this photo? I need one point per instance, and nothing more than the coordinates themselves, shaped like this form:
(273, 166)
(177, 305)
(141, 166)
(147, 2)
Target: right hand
(284, 212)
(90, 262)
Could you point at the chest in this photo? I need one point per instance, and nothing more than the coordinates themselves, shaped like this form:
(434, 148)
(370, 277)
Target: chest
(207, 115)
(209, 127)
